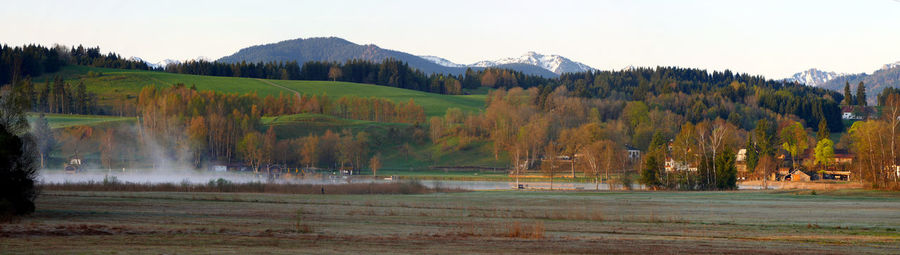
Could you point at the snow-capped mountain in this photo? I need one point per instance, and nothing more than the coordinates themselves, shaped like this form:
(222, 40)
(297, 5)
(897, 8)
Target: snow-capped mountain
(814, 77)
(891, 65)
(553, 63)
(441, 61)
(159, 64)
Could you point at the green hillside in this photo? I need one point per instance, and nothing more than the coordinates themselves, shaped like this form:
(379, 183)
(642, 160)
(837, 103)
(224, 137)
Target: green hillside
(434, 104)
(299, 125)
(416, 156)
(112, 85)
(68, 120)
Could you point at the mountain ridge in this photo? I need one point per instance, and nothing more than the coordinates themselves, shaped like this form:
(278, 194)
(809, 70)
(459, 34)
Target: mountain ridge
(335, 49)
(814, 77)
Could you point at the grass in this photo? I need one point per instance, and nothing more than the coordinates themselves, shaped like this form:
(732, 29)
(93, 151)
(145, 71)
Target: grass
(434, 104)
(68, 120)
(222, 185)
(454, 223)
(117, 84)
(299, 125)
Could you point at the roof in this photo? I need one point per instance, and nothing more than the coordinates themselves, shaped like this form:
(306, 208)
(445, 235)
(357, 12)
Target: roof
(842, 153)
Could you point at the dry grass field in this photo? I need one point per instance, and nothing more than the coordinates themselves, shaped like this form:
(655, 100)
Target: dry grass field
(758, 222)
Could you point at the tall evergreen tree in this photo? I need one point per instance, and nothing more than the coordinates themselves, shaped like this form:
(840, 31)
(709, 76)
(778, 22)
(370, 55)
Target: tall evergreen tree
(81, 98)
(752, 154)
(43, 100)
(848, 95)
(861, 94)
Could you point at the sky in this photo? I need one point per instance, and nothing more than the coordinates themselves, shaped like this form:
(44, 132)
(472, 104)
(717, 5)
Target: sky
(771, 38)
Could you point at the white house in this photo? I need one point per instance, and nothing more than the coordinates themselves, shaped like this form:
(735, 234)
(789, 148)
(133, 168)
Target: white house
(633, 153)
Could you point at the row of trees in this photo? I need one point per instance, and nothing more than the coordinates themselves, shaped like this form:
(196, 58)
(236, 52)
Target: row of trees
(389, 72)
(698, 94)
(17, 63)
(56, 97)
(860, 98)
(221, 127)
(30, 60)
(331, 150)
(877, 144)
(531, 126)
(271, 70)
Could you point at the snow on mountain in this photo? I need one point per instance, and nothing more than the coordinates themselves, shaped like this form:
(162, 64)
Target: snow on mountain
(442, 61)
(168, 61)
(814, 77)
(553, 63)
(891, 65)
(160, 64)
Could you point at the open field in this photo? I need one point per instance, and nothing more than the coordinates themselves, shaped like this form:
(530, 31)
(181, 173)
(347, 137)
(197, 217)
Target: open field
(115, 84)
(434, 104)
(68, 120)
(839, 222)
(299, 125)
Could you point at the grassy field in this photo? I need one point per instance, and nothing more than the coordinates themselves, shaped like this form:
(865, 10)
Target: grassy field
(299, 125)
(68, 120)
(434, 104)
(116, 84)
(845, 222)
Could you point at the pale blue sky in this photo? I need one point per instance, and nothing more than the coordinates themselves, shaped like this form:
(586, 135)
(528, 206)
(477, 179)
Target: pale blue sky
(772, 38)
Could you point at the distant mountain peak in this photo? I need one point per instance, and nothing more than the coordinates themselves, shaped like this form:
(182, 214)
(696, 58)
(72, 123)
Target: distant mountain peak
(890, 66)
(813, 77)
(441, 61)
(160, 64)
(553, 63)
(334, 49)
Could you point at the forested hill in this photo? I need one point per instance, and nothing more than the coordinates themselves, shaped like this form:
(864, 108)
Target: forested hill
(330, 49)
(697, 94)
(333, 49)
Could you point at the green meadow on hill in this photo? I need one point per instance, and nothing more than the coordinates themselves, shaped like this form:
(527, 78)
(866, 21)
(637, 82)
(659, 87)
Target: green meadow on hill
(111, 84)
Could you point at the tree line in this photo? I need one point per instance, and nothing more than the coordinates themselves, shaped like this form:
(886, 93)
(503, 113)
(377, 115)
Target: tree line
(876, 142)
(389, 72)
(57, 96)
(561, 133)
(224, 127)
(17, 63)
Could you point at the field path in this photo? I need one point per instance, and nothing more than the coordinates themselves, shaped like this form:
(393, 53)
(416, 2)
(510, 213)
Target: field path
(296, 93)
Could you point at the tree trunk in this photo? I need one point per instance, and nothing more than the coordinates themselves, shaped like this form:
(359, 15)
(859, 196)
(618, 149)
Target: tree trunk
(573, 166)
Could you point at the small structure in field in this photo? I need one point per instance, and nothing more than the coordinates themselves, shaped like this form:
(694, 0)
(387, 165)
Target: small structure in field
(673, 165)
(274, 171)
(74, 165)
(836, 175)
(740, 162)
(798, 175)
(842, 156)
(633, 153)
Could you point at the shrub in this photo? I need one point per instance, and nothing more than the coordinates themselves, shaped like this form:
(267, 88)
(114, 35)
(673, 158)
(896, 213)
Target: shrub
(17, 173)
